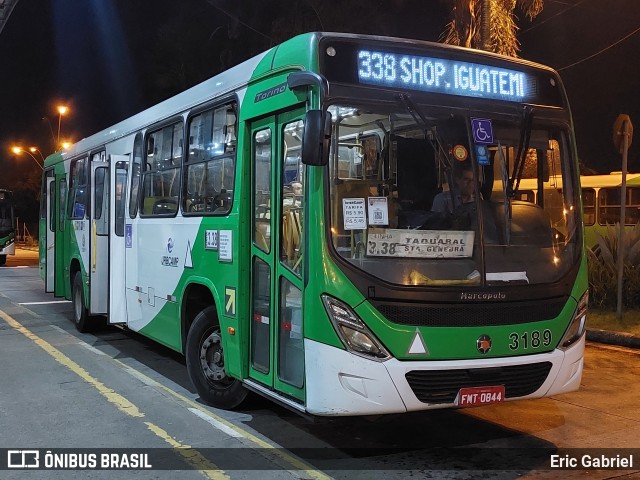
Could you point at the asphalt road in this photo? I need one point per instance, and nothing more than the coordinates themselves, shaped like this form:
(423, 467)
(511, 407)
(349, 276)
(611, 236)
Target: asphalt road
(114, 389)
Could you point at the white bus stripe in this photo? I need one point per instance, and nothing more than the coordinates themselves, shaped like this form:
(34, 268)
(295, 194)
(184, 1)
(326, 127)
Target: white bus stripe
(216, 423)
(45, 303)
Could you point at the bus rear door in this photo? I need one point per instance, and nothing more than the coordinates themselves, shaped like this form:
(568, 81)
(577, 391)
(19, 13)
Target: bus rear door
(99, 234)
(117, 239)
(51, 234)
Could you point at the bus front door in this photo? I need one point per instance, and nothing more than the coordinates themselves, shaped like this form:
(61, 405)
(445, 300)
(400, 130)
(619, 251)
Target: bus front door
(276, 331)
(99, 243)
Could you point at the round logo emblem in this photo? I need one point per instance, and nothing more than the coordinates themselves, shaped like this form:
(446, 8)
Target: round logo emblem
(484, 343)
(170, 245)
(460, 153)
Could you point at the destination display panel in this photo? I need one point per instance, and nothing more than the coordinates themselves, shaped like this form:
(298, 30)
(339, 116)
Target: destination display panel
(423, 69)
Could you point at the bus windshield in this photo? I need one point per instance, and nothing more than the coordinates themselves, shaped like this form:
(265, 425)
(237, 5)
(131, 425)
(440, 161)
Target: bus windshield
(421, 196)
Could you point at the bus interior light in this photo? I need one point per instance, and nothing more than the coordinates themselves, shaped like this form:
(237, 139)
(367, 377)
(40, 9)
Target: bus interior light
(576, 328)
(355, 335)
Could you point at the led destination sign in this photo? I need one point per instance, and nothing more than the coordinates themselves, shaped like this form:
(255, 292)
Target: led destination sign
(438, 75)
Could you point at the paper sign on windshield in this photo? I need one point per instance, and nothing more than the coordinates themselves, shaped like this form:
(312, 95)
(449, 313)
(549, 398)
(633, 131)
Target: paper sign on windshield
(420, 243)
(354, 214)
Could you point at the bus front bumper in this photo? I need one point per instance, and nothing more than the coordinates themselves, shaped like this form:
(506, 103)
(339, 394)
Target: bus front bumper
(339, 383)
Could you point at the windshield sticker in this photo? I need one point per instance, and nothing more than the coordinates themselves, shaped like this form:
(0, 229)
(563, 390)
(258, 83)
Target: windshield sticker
(482, 130)
(420, 243)
(460, 153)
(482, 155)
(353, 211)
(378, 211)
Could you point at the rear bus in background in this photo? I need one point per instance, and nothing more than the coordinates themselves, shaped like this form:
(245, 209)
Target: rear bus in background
(274, 224)
(7, 226)
(600, 201)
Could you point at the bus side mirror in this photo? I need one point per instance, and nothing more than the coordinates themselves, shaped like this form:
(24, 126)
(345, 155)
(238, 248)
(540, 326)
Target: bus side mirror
(316, 137)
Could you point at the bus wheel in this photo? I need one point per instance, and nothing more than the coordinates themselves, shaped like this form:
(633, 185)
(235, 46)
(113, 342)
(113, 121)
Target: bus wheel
(3, 259)
(205, 363)
(80, 315)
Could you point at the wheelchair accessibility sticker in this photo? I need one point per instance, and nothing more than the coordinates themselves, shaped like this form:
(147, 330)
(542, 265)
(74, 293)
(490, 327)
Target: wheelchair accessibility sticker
(482, 130)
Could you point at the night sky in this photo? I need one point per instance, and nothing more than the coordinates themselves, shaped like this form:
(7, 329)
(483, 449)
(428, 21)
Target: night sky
(108, 60)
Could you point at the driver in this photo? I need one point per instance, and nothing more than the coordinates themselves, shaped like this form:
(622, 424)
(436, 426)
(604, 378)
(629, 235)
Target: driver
(463, 191)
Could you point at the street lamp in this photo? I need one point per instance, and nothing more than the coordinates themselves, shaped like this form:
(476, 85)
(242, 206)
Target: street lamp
(19, 150)
(53, 137)
(36, 149)
(62, 109)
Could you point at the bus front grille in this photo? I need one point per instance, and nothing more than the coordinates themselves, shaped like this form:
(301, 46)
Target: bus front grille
(442, 386)
(465, 315)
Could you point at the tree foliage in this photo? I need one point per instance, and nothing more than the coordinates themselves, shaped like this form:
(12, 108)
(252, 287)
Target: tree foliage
(466, 18)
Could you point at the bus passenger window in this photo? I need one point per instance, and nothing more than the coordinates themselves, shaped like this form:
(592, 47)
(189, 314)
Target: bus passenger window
(262, 189)
(210, 164)
(589, 206)
(77, 189)
(161, 176)
(292, 197)
(135, 176)
(63, 199)
(609, 205)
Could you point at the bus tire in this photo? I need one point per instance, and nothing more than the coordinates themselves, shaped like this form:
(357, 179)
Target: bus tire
(205, 363)
(81, 317)
(3, 259)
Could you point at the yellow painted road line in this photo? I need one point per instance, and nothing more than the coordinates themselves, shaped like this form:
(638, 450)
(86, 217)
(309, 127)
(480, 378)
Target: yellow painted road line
(295, 462)
(192, 456)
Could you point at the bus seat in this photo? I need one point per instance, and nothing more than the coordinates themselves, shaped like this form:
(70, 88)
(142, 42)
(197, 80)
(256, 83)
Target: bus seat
(291, 235)
(263, 235)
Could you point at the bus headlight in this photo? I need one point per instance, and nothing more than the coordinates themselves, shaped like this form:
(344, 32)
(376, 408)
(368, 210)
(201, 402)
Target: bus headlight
(352, 331)
(576, 327)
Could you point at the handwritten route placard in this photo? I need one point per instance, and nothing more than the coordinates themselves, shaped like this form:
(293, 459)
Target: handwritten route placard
(420, 243)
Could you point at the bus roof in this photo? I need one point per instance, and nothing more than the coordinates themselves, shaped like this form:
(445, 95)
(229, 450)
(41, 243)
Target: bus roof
(225, 83)
(614, 179)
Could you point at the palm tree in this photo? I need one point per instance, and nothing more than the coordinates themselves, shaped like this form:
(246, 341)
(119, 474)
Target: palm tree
(467, 15)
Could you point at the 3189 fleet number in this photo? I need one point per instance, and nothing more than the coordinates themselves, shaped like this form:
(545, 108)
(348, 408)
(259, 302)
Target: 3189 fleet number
(527, 340)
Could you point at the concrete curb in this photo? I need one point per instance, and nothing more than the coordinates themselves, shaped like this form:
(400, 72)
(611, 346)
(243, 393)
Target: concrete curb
(613, 338)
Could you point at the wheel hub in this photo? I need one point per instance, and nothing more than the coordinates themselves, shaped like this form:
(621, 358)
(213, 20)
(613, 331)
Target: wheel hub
(212, 358)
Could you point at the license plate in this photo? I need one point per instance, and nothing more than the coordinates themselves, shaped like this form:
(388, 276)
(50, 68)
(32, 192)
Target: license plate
(472, 396)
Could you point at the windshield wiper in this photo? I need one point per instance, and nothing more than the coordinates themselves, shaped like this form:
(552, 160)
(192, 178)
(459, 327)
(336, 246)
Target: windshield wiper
(523, 148)
(504, 169)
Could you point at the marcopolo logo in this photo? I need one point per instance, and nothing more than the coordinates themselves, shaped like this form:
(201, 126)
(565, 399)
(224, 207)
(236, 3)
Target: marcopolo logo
(483, 296)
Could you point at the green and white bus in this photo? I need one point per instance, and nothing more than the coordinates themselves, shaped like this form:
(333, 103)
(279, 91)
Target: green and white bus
(274, 225)
(7, 226)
